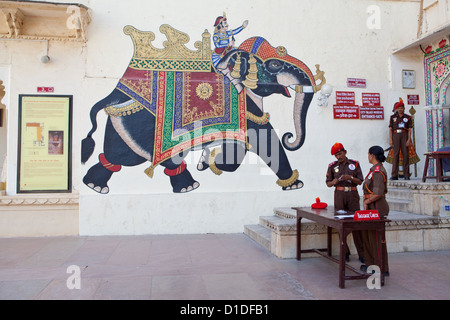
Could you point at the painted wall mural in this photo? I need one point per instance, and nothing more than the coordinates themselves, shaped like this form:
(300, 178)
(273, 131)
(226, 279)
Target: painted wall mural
(173, 100)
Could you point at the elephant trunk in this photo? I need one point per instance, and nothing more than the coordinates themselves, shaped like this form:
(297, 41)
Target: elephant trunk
(301, 105)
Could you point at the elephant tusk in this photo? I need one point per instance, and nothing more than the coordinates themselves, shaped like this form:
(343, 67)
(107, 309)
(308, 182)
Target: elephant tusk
(303, 89)
(312, 89)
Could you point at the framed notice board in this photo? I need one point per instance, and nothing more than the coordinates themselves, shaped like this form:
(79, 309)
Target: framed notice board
(44, 148)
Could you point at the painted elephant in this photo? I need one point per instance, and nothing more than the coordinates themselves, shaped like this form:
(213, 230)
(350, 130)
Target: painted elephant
(253, 71)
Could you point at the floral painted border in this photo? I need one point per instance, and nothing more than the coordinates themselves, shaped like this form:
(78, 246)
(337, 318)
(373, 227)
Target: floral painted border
(437, 68)
(437, 71)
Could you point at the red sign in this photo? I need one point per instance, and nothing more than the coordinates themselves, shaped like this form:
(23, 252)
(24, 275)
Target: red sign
(413, 99)
(45, 89)
(371, 99)
(346, 112)
(345, 98)
(366, 215)
(356, 83)
(371, 113)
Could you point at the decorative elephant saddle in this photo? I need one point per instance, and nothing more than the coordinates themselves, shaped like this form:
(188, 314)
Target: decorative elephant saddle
(190, 108)
(192, 105)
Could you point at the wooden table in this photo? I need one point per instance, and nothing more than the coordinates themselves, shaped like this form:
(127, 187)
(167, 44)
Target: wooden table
(344, 227)
(438, 156)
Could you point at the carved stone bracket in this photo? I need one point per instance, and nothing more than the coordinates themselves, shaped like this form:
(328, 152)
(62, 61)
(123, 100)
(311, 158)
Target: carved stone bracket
(43, 21)
(14, 20)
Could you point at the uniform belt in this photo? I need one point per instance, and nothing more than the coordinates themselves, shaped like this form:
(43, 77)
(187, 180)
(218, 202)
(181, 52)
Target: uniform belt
(399, 131)
(367, 196)
(346, 189)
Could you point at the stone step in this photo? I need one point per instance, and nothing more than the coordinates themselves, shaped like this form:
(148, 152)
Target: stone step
(401, 205)
(285, 212)
(400, 193)
(406, 231)
(415, 224)
(400, 199)
(259, 234)
(278, 224)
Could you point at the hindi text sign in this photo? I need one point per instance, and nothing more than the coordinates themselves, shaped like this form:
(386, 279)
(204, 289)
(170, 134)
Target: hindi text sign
(345, 112)
(413, 99)
(345, 98)
(371, 113)
(371, 109)
(356, 83)
(371, 99)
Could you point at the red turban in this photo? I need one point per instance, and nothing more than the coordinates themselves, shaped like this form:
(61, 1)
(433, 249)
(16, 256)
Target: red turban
(399, 104)
(336, 148)
(219, 20)
(318, 204)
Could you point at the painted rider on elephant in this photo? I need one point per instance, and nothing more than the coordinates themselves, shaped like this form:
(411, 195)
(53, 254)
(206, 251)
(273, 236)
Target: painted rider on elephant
(221, 38)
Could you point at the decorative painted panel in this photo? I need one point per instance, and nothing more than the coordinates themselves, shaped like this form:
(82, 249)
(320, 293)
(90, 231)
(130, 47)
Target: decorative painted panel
(174, 100)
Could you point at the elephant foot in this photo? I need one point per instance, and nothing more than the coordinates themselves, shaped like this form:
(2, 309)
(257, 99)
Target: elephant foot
(98, 189)
(190, 188)
(296, 185)
(291, 183)
(183, 182)
(203, 164)
(97, 177)
(181, 179)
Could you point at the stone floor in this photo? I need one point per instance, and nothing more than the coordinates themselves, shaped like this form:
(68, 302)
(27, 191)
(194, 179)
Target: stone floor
(198, 267)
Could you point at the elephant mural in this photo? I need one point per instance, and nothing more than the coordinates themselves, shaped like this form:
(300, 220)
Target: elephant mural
(173, 100)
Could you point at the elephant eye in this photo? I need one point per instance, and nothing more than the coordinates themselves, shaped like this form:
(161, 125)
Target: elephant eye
(274, 66)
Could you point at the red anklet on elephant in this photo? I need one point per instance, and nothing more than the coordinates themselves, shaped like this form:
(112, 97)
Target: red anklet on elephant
(177, 171)
(111, 167)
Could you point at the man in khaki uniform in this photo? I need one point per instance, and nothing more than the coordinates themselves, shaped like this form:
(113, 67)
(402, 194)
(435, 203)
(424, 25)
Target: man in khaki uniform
(400, 125)
(345, 175)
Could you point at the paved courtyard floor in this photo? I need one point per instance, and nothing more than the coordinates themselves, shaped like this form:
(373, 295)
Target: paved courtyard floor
(198, 267)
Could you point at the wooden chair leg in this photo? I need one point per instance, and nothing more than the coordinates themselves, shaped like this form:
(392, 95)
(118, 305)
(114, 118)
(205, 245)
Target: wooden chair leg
(439, 169)
(425, 169)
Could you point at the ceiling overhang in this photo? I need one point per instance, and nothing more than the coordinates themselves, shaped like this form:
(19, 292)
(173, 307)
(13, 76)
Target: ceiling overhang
(43, 21)
(435, 36)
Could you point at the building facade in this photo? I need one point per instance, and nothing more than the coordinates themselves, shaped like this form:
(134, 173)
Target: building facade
(114, 56)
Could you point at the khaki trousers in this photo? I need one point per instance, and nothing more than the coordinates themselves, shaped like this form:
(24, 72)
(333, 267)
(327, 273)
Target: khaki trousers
(399, 141)
(350, 201)
(371, 257)
(369, 238)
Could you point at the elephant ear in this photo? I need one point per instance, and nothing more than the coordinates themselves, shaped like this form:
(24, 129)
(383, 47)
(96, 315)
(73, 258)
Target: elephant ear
(235, 66)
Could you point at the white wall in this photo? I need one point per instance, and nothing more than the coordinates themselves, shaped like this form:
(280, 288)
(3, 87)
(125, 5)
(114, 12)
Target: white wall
(4, 76)
(65, 73)
(331, 33)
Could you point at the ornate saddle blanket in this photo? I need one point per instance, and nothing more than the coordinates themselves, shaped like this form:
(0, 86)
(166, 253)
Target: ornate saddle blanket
(413, 157)
(190, 108)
